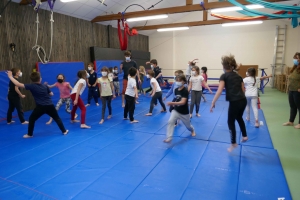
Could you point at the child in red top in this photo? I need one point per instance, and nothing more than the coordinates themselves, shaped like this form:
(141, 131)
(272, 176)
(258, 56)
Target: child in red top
(64, 90)
(204, 75)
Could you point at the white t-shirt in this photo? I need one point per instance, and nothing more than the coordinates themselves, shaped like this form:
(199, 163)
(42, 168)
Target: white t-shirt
(130, 87)
(196, 82)
(153, 82)
(251, 91)
(75, 88)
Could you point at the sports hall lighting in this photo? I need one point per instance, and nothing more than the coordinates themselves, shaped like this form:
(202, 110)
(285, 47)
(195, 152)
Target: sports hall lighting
(172, 29)
(236, 8)
(242, 23)
(146, 18)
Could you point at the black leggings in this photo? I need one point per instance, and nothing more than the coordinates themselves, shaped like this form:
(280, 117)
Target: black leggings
(105, 100)
(157, 95)
(294, 100)
(235, 112)
(14, 102)
(40, 110)
(129, 107)
(93, 93)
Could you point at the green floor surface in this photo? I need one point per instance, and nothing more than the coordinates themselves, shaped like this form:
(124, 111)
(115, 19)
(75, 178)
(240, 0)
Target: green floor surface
(286, 140)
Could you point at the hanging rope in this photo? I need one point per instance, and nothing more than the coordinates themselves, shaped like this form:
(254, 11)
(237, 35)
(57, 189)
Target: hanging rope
(39, 49)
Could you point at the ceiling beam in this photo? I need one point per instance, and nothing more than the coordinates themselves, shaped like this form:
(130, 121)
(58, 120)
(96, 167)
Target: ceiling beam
(26, 2)
(171, 10)
(189, 2)
(205, 13)
(184, 24)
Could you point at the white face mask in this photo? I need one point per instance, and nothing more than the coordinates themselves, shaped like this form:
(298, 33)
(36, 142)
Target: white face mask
(152, 66)
(174, 77)
(193, 73)
(90, 68)
(127, 58)
(148, 76)
(178, 84)
(20, 74)
(104, 73)
(201, 71)
(116, 71)
(87, 75)
(247, 74)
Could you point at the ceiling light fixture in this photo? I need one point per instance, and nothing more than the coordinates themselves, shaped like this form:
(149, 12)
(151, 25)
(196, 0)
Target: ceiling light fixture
(146, 18)
(242, 23)
(172, 29)
(66, 1)
(236, 8)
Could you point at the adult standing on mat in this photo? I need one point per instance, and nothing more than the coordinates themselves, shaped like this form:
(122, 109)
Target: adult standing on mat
(294, 92)
(14, 98)
(92, 85)
(235, 94)
(125, 66)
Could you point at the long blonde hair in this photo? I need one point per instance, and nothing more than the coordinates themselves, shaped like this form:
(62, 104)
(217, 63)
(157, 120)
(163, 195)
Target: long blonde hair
(142, 69)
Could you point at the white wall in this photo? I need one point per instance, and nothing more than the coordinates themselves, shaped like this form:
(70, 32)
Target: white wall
(251, 45)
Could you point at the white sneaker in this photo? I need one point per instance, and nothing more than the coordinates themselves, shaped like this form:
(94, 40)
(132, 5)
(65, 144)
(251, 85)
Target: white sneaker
(87, 105)
(27, 136)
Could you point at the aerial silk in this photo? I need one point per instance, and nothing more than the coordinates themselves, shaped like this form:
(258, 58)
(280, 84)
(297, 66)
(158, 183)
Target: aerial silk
(124, 40)
(256, 17)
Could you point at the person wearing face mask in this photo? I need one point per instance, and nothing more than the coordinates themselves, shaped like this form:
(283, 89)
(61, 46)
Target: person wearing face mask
(294, 92)
(42, 97)
(92, 85)
(195, 87)
(64, 92)
(179, 109)
(188, 72)
(116, 81)
(77, 91)
(157, 73)
(107, 92)
(251, 83)
(235, 94)
(156, 93)
(124, 67)
(14, 98)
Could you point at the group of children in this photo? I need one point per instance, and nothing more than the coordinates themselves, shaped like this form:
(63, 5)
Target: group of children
(108, 86)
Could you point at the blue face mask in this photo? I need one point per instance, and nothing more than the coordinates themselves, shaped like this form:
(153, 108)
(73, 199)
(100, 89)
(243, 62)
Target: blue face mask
(295, 62)
(178, 84)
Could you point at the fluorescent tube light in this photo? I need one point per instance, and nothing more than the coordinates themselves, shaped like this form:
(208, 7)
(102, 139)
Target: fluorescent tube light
(146, 18)
(236, 8)
(66, 1)
(242, 23)
(172, 29)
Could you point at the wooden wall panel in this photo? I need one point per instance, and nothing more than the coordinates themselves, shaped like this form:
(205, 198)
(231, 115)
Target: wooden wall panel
(71, 41)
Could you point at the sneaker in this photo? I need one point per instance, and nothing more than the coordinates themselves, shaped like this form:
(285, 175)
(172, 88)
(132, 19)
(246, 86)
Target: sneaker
(65, 133)
(27, 136)
(87, 105)
(97, 104)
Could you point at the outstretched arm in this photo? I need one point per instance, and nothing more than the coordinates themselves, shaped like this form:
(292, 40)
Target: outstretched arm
(266, 77)
(17, 83)
(218, 93)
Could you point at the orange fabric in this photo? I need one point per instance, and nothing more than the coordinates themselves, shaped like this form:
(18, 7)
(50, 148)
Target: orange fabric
(242, 18)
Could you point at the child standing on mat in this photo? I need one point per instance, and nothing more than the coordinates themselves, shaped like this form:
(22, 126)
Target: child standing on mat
(77, 101)
(125, 66)
(157, 73)
(188, 71)
(42, 97)
(234, 85)
(156, 93)
(195, 86)
(14, 98)
(131, 94)
(64, 91)
(251, 83)
(181, 109)
(116, 81)
(92, 85)
(142, 77)
(107, 92)
(204, 75)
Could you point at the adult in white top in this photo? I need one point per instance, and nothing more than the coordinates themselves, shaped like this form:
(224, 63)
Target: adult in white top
(195, 85)
(251, 83)
(156, 93)
(77, 101)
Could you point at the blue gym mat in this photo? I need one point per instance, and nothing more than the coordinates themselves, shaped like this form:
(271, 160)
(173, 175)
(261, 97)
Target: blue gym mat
(119, 160)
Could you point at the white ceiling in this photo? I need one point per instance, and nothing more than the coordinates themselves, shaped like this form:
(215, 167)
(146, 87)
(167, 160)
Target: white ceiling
(89, 9)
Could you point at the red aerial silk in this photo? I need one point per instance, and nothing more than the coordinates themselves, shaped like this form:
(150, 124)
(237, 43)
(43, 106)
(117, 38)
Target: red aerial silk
(123, 38)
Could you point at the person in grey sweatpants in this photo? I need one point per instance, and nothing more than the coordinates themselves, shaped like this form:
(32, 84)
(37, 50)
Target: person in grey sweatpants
(179, 109)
